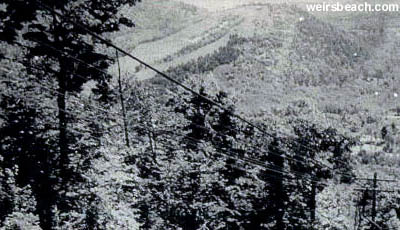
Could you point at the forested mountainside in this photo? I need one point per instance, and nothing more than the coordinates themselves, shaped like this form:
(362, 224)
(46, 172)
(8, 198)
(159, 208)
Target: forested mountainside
(259, 116)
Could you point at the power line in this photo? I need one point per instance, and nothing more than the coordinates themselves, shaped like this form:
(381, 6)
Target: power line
(246, 159)
(224, 152)
(378, 190)
(367, 196)
(318, 164)
(234, 115)
(108, 43)
(52, 47)
(72, 57)
(75, 116)
(161, 74)
(301, 160)
(373, 222)
(67, 112)
(55, 91)
(371, 179)
(262, 164)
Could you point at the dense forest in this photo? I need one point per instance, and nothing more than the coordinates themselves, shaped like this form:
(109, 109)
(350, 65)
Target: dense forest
(84, 148)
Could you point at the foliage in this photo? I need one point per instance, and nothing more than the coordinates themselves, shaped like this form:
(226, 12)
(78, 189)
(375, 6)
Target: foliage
(52, 156)
(191, 164)
(317, 155)
(196, 176)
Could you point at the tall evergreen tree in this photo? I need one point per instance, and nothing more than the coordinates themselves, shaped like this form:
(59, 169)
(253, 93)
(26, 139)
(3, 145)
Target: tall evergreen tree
(56, 51)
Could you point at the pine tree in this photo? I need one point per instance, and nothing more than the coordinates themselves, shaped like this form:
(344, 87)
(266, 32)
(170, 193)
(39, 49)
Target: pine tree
(55, 52)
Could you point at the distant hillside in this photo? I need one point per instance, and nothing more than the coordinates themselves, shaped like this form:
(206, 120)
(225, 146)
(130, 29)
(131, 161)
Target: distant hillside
(280, 62)
(294, 64)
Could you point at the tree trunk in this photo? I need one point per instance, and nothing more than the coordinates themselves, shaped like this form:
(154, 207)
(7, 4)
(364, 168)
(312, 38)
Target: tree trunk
(278, 195)
(62, 122)
(63, 160)
(313, 201)
(121, 97)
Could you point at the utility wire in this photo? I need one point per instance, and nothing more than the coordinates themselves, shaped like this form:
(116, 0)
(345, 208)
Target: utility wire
(165, 76)
(55, 91)
(155, 70)
(75, 116)
(108, 43)
(245, 159)
(253, 162)
(290, 158)
(83, 62)
(158, 72)
(63, 54)
(263, 165)
(50, 46)
(192, 140)
(72, 57)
